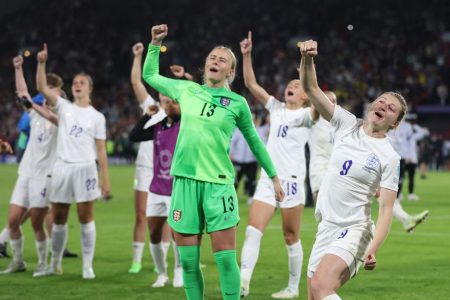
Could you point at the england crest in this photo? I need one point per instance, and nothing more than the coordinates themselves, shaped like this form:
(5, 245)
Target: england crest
(225, 101)
(176, 215)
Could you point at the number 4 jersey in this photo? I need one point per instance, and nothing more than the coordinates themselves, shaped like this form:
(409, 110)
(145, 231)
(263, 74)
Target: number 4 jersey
(359, 164)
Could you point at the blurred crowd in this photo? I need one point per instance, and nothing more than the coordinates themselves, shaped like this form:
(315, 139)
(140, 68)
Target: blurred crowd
(364, 48)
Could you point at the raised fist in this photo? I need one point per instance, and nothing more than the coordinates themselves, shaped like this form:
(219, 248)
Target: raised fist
(308, 48)
(17, 61)
(159, 32)
(138, 48)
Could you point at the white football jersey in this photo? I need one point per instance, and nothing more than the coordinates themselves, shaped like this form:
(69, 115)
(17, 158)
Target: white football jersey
(321, 140)
(40, 154)
(287, 138)
(359, 164)
(78, 128)
(145, 152)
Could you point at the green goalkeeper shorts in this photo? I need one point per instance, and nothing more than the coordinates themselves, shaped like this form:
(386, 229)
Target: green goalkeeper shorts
(195, 204)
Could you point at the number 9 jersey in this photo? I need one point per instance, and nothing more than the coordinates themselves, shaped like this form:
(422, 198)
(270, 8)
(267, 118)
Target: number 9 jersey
(359, 164)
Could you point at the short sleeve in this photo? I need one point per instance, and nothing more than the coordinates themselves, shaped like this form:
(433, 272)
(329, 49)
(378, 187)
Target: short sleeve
(100, 128)
(273, 104)
(390, 174)
(342, 119)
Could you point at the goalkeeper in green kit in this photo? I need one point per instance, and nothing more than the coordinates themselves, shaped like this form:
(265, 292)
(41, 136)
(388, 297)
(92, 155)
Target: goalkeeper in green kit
(203, 191)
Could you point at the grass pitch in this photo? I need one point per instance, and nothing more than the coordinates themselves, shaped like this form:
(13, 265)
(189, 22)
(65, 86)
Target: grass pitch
(410, 266)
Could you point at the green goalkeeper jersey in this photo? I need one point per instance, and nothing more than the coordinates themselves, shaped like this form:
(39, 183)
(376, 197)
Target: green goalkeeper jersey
(208, 119)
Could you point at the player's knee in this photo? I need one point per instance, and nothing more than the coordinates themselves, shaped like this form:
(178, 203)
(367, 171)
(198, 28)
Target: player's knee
(141, 218)
(290, 237)
(318, 286)
(155, 235)
(14, 223)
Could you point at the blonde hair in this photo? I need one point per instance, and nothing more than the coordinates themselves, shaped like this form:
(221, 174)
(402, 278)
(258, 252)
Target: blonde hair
(403, 104)
(54, 80)
(229, 79)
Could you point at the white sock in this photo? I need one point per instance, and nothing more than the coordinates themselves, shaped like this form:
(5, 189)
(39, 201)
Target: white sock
(49, 245)
(59, 240)
(295, 255)
(332, 297)
(4, 235)
(399, 213)
(165, 246)
(138, 249)
(250, 252)
(41, 249)
(157, 252)
(176, 256)
(17, 247)
(88, 236)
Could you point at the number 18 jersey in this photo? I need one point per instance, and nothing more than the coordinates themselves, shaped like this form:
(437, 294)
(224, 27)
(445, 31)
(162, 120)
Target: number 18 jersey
(359, 164)
(288, 135)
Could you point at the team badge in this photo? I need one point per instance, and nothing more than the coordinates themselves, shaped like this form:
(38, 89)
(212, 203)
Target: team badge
(372, 162)
(177, 215)
(225, 101)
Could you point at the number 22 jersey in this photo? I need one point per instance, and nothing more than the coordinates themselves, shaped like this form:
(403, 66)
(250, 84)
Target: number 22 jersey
(359, 164)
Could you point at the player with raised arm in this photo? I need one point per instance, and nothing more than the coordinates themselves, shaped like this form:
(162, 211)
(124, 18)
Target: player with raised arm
(164, 134)
(33, 183)
(362, 160)
(144, 161)
(81, 139)
(286, 144)
(203, 191)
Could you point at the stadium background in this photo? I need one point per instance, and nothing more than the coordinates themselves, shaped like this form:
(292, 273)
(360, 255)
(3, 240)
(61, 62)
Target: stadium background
(390, 45)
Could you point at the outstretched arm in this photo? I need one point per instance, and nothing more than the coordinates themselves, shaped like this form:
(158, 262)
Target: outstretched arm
(41, 79)
(138, 87)
(308, 79)
(167, 86)
(249, 76)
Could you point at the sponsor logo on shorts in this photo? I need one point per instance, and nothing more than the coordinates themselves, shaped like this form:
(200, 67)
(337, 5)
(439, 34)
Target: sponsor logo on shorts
(224, 101)
(176, 215)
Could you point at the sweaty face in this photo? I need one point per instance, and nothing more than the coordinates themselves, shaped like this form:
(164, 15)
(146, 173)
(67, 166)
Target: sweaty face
(384, 112)
(218, 65)
(80, 86)
(294, 92)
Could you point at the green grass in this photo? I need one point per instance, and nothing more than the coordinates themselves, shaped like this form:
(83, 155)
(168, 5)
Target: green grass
(410, 266)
